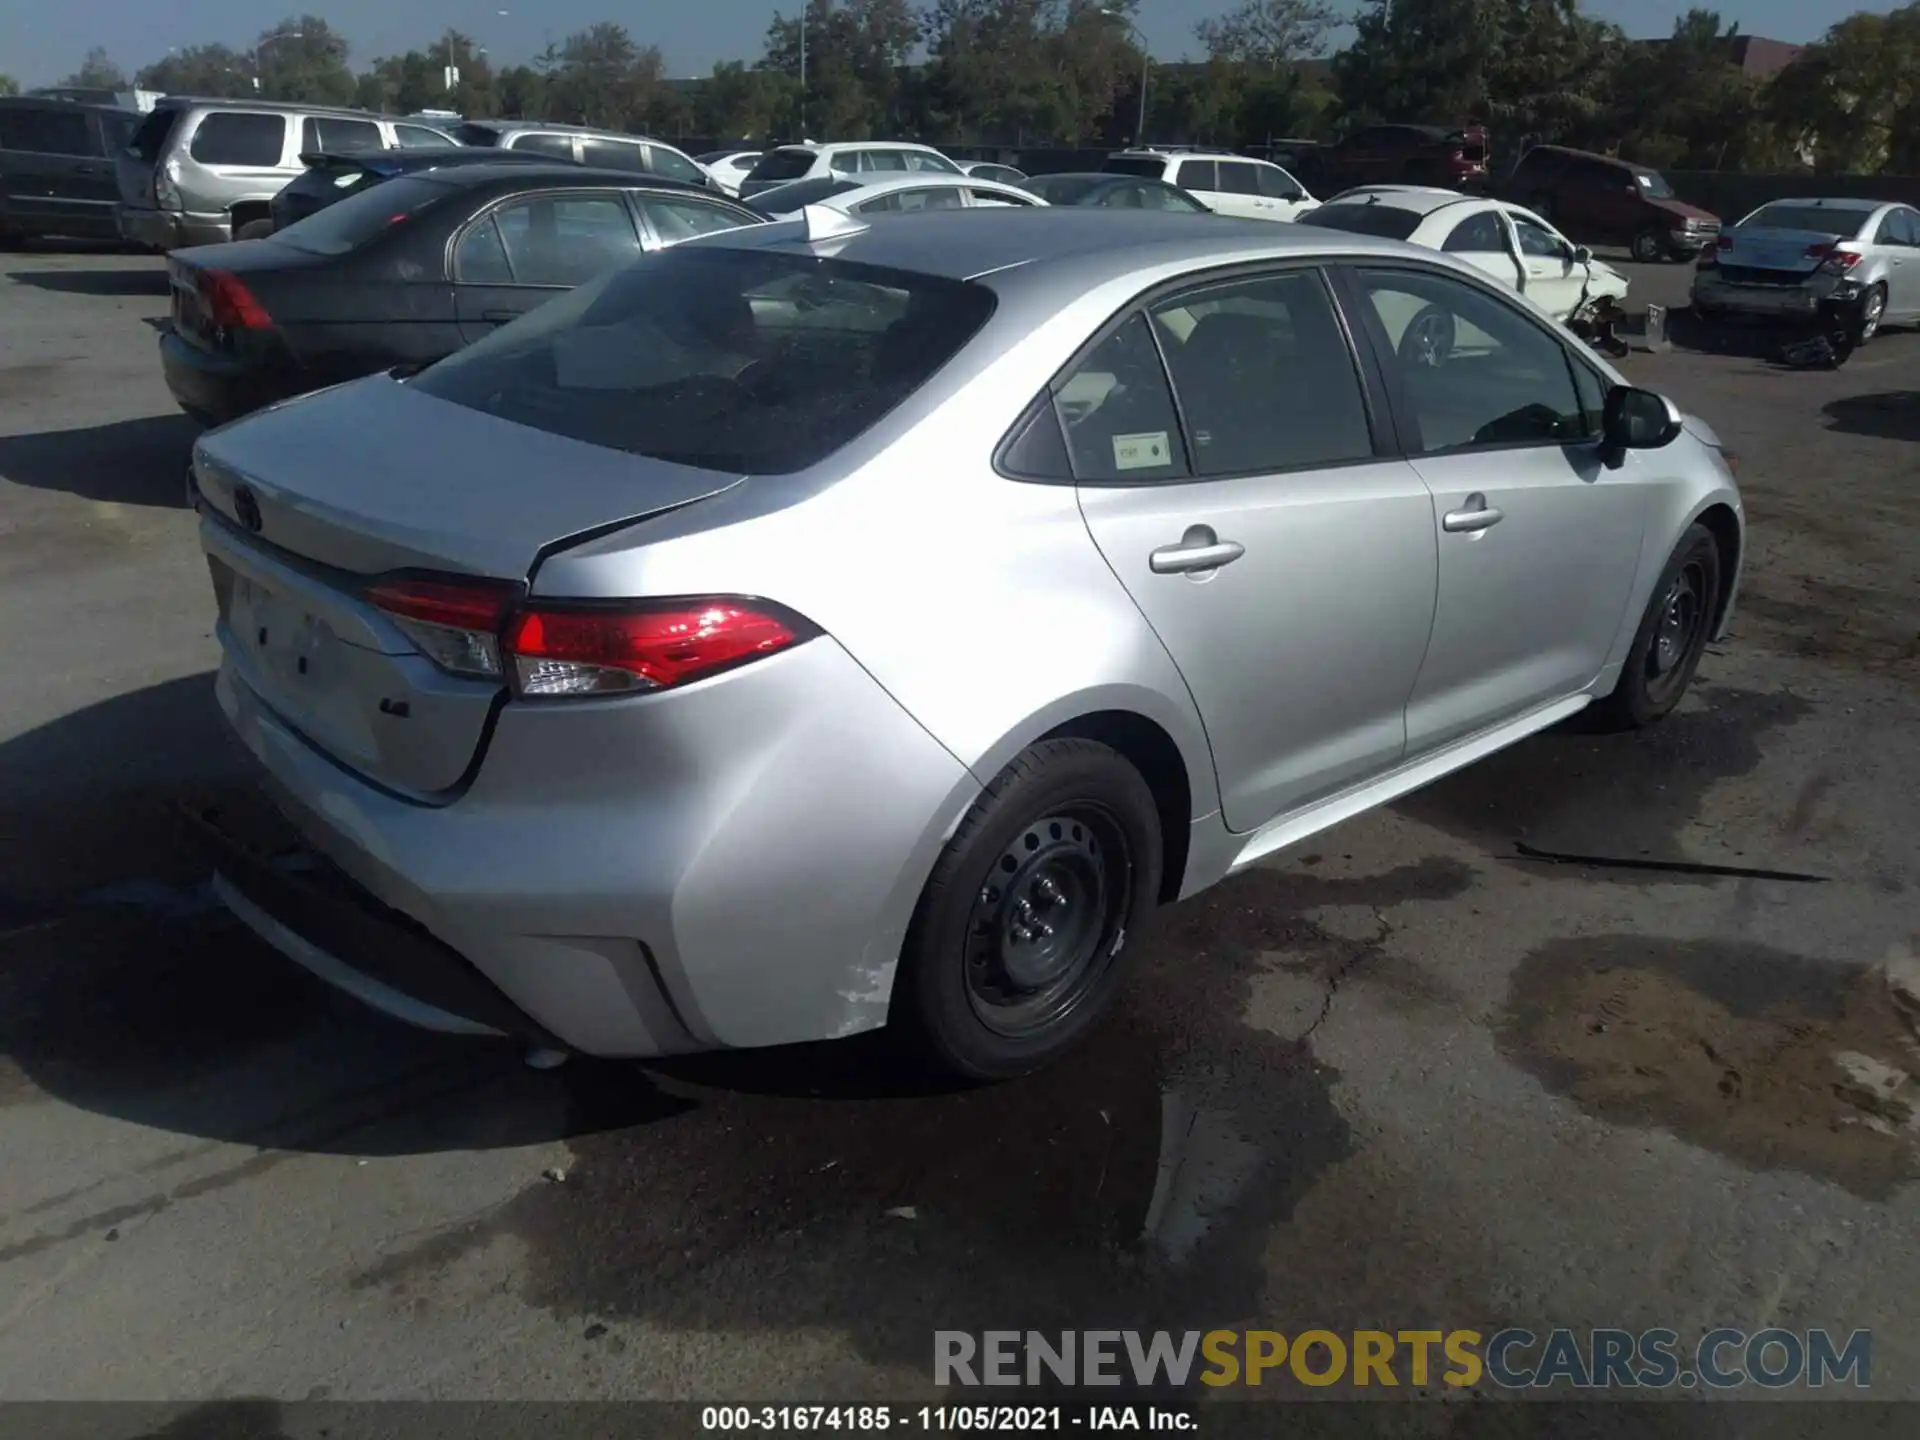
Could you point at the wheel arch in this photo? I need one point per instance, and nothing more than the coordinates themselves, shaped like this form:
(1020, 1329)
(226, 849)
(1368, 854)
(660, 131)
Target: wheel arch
(1147, 747)
(1724, 524)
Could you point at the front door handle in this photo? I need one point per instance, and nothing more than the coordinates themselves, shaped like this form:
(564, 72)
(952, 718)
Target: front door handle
(1475, 515)
(1199, 549)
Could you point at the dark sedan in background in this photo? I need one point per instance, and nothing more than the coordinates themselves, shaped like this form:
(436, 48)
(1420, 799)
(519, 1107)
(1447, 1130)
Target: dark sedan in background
(331, 178)
(405, 272)
(1112, 192)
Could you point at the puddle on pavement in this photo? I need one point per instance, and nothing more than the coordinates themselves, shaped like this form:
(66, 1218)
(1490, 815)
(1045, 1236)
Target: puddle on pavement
(1745, 1051)
(816, 1187)
(1624, 795)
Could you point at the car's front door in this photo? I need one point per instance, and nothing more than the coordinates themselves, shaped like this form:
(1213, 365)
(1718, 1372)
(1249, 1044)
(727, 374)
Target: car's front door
(1538, 540)
(526, 250)
(1239, 192)
(1552, 279)
(1287, 195)
(1482, 240)
(1898, 239)
(1284, 557)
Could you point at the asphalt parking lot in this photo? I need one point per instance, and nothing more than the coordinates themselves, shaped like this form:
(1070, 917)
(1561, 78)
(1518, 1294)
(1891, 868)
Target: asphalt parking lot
(1398, 1077)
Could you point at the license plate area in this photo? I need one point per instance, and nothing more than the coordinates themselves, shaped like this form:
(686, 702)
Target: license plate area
(295, 651)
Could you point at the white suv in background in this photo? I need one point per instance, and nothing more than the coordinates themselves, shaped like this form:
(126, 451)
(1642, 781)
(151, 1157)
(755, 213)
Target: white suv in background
(1225, 183)
(866, 159)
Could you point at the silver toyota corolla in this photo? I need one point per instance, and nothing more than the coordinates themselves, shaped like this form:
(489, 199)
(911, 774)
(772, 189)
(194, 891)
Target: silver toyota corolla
(836, 624)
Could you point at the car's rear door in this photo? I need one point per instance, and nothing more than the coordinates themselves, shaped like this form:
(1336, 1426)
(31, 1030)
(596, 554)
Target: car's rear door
(1898, 239)
(1279, 549)
(1552, 278)
(522, 252)
(1538, 540)
(1483, 241)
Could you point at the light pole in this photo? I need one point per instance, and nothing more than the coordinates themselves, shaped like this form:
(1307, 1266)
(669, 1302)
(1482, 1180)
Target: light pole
(1146, 60)
(273, 39)
(803, 69)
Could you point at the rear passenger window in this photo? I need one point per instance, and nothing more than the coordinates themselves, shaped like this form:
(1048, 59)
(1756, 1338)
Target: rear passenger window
(1237, 179)
(889, 160)
(1477, 233)
(566, 240)
(48, 131)
(1118, 412)
(418, 137)
(231, 137)
(1264, 375)
(339, 137)
(613, 154)
(673, 165)
(1197, 175)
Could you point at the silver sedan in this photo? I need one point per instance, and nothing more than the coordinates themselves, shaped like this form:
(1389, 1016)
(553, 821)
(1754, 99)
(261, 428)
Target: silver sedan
(1788, 256)
(835, 624)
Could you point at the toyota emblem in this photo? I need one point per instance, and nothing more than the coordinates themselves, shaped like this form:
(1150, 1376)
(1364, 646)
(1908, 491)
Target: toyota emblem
(246, 508)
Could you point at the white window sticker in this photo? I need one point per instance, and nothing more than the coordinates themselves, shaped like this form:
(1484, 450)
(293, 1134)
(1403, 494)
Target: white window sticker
(1144, 451)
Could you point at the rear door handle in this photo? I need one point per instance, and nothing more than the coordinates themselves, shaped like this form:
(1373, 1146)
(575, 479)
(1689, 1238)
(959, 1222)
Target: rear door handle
(1476, 514)
(1199, 549)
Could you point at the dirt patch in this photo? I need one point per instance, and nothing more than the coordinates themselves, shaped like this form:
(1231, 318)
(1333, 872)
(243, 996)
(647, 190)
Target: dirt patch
(1749, 1052)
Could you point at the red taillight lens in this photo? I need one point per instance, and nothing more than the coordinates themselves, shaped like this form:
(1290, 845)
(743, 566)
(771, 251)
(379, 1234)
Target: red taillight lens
(230, 305)
(1835, 261)
(1725, 242)
(481, 629)
(568, 651)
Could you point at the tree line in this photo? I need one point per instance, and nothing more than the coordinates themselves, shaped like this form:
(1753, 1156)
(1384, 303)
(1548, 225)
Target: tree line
(1052, 73)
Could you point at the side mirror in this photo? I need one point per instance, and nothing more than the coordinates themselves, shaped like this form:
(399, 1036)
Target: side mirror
(1637, 420)
(1582, 255)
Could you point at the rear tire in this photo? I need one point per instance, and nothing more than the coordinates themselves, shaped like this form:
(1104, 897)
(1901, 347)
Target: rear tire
(1673, 635)
(254, 230)
(1873, 312)
(1016, 948)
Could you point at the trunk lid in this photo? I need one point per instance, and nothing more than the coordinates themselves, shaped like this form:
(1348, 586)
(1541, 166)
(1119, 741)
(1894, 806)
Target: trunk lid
(1796, 253)
(305, 504)
(255, 263)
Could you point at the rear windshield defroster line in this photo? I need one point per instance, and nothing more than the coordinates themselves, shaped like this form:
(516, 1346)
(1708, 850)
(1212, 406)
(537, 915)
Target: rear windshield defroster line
(1385, 221)
(745, 361)
(366, 214)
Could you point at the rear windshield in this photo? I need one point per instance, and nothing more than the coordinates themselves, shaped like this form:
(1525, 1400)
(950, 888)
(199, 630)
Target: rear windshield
(1062, 189)
(784, 199)
(738, 360)
(1823, 219)
(151, 137)
(1382, 220)
(782, 165)
(1147, 165)
(369, 212)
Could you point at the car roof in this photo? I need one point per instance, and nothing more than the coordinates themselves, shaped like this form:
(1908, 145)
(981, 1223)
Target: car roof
(1085, 247)
(565, 172)
(424, 157)
(1836, 202)
(821, 147)
(1414, 199)
(554, 127)
(282, 107)
(60, 102)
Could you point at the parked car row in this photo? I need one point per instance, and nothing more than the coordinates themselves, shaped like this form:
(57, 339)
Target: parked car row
(589, 740)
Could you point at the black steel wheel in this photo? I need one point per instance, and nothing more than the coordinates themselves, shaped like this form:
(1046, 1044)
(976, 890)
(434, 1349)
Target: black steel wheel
(1015, 951)
(1673, 635)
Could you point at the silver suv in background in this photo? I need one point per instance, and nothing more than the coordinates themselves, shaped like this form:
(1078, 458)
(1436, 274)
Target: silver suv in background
(602, 149)
(200, 172)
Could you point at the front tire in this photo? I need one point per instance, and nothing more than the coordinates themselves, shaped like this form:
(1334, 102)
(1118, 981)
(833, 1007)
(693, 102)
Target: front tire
(1016, 949)
(1673, 635)
(1649, 246)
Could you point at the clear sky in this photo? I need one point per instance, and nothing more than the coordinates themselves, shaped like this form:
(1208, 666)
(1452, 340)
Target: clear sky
(41, 41)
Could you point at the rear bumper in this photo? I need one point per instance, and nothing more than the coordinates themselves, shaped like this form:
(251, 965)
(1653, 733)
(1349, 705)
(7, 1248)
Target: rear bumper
(218, 388)
(731, 865)
(1714, 294)
(317, 917)
(171, 229)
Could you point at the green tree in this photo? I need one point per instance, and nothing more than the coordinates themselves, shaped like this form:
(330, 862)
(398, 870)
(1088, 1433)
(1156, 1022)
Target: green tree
(1851, 102)
(97, 71)
(603, 77)
(1684, 102)
(302, 58)
(9, 85)
(211, 70)
(738, 103)
(1028, 72)
(855, 55)
(1267, 34)
(522, 92)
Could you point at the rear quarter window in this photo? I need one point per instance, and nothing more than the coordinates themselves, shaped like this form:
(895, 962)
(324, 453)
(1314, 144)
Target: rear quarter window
(1149, 165)
(151, 138)
(484, 135)
(747, 361)
(231, 137)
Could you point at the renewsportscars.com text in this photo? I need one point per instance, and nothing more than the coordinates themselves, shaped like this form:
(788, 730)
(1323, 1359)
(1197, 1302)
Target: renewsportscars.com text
(1513, 1358)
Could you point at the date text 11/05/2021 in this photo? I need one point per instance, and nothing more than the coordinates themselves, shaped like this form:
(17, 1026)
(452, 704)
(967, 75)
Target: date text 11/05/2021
(936, 1419)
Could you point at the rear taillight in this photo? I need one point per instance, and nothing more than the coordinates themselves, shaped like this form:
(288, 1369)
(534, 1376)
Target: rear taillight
(1833, 261)
(166, 187)
(230, 305)
(557, 649)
